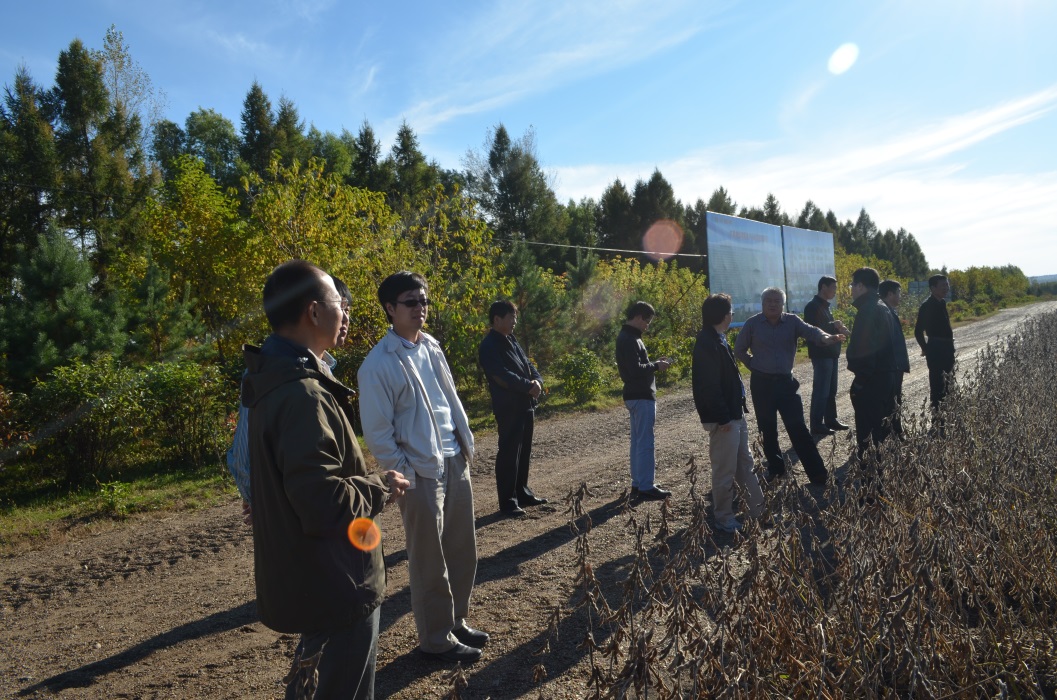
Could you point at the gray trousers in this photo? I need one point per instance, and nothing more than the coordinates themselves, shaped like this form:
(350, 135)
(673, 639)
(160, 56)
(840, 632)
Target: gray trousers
(441, 553)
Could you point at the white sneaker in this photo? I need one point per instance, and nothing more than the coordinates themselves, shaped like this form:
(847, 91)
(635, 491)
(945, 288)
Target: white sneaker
(731, 525)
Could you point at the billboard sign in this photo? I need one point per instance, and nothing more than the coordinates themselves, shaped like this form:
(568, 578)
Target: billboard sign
(744, 258)
(808, 256)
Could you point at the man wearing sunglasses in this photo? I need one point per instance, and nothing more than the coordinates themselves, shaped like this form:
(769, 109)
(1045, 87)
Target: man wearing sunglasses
(414, 423)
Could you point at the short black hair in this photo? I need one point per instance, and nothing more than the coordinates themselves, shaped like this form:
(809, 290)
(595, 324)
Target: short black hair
(936, 279)
(343, 289)
(887, 287)
(715, 308)
(826, 281)
(499, 309)
(396, 284)
(867, 276)
(640, 308)
(289, 290)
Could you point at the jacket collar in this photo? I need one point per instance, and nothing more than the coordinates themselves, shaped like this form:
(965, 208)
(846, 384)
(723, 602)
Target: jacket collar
(391, 342)
(632, 330)
(867, 299)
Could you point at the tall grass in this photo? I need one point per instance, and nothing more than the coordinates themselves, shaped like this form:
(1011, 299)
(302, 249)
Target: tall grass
(934, 575)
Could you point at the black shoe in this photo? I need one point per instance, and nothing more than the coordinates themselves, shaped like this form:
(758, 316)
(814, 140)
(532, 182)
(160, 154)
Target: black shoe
(512, 511)
(471, 637)
(459, 652)
(823, 431)
(529, 501)
(836, 425)
(773, 474)
(654, 494)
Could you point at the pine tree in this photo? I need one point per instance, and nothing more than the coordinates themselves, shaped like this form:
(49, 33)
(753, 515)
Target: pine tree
(368, 170)
(616, 224)
(288, 135)
(101, 162)
(721, 203)
(158, 326)
(28, 171)
(258, 130)
(55, 318)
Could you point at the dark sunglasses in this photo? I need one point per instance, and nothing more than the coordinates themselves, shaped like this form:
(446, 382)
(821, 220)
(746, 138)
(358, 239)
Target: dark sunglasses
(414, 303)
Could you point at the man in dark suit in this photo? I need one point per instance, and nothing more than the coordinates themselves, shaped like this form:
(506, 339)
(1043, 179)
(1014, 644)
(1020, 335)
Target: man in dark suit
(872, 361)
(936, 338)
(515, 386)
(891, 294)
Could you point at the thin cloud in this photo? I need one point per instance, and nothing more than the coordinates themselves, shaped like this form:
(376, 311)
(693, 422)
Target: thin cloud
(523, 48)
(238, 44)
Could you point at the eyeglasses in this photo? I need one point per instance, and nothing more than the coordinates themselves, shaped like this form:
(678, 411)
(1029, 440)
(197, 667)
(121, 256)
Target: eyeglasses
(414, 303)
(342, 303)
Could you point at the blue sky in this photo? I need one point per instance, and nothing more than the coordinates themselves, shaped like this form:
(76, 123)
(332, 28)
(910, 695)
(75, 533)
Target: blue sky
(945, 124)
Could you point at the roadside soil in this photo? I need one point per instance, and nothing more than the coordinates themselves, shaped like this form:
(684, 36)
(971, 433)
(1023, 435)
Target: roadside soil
(164, 607)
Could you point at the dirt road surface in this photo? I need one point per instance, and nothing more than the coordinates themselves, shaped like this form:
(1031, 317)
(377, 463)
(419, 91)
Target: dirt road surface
(164, 608)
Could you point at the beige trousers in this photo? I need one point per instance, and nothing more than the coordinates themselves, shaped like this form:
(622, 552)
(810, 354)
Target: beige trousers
(441, 553)
(732, 462)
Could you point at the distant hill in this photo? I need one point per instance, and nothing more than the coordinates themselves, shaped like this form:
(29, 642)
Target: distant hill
(1043, 279)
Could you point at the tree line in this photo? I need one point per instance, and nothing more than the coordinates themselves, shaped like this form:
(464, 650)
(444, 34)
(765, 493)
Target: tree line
(128, 240)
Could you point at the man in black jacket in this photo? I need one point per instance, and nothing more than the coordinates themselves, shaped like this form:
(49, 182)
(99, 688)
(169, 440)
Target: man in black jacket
(823, 412)
(719, 396)
(891, 294)
(872, 361)
(936, 338)
(640, 397)
(515, 385)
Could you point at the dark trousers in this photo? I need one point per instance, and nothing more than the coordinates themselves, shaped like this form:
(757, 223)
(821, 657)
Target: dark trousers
(873, 398)
(774, 395)
(512, 459)
(897, 406)
(823, 392)
(345, 663)
(939, 356)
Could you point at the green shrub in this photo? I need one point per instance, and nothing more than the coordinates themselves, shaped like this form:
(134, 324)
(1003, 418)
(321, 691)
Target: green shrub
(580, 373)
(679, 350)
(86, 417)
(113, 498)
(186, 405)
(13, 433)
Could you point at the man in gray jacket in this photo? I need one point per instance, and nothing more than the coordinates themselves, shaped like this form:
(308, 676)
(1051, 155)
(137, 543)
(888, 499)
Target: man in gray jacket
(309, 484)
(414, 423)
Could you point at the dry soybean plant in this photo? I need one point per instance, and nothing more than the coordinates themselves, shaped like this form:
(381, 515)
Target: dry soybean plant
(938, 579)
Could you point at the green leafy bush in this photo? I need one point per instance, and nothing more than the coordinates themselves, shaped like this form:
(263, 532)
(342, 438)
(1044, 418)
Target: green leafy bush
(186, 405)
(13, 434)
(580, 374)
(86, 417)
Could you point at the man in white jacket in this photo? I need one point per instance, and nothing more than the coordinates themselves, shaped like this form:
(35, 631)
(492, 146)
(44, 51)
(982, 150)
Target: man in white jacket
(414, 423)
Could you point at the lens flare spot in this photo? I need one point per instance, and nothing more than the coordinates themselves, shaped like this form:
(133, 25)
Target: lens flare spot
(843, 58)
(364, 534)
(662, 240)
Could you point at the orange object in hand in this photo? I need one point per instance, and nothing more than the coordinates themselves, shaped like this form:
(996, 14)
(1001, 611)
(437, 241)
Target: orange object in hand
(364, 534)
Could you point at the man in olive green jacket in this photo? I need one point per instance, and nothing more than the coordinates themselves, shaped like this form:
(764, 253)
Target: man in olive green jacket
(309, 483)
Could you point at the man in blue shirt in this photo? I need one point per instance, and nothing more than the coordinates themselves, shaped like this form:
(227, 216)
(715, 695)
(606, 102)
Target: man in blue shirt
(767, 346)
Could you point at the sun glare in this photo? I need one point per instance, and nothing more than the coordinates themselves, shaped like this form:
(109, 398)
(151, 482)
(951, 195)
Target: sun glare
(843, 58)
